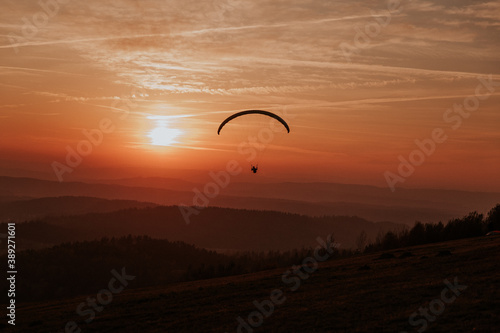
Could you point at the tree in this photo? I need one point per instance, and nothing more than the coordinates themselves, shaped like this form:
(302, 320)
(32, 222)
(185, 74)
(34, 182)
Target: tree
(417, 234)
(493, 220)
(471, 225)
(390, 241)
(361, 241)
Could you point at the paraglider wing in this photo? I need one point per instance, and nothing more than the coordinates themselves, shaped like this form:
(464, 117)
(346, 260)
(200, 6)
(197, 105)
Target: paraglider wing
(242, 113)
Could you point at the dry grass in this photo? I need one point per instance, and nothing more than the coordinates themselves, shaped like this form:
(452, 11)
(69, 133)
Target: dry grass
(338, 297)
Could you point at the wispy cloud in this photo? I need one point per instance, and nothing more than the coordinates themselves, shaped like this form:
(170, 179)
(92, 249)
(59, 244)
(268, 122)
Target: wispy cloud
(19, 70)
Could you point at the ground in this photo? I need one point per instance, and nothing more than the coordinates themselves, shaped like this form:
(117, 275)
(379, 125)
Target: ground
(360, 294)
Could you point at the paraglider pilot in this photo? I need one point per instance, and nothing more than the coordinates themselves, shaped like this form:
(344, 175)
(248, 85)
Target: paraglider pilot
(254, 168)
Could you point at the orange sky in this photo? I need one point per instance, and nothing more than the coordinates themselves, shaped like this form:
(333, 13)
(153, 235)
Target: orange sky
(354, 102)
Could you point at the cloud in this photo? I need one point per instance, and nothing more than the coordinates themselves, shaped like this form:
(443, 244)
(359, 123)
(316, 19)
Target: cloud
(485, 10)
(223, 49)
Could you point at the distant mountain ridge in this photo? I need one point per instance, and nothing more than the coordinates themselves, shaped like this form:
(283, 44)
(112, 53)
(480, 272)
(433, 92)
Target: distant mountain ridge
(314, 199)
(27, 209)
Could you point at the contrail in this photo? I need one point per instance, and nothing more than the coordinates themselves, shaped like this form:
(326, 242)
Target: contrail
(82, 40)
(40, 70)
(379, 68)
(275, 25)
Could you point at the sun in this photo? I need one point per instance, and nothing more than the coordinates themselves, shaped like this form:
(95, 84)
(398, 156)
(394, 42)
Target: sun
(164, 136)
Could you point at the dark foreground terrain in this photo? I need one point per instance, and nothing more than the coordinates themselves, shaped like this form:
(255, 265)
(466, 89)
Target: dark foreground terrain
(368, 293)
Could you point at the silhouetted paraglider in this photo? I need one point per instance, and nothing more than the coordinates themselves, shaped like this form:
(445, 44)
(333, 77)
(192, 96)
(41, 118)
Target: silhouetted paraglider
(254, 168)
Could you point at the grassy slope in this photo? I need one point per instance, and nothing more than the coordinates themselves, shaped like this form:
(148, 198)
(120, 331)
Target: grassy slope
(338, 297)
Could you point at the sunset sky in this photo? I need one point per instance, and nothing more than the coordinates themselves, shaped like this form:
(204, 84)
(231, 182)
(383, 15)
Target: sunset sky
(357, 82)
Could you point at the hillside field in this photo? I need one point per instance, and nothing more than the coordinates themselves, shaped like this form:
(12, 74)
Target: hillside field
(360, 294)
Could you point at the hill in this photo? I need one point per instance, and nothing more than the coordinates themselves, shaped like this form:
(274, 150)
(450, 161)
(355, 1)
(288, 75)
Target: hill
(314, 199)
(26, 209)
(213, 228)
(360, 294)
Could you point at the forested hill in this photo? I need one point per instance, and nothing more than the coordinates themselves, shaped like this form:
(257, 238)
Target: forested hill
(213, 228)
(20, 210)
(82, 267)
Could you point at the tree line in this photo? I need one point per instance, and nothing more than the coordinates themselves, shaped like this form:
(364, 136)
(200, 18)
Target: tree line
(471, 225)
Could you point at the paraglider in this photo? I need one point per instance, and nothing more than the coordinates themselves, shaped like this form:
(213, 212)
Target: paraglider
(252, 147)
(242, 113)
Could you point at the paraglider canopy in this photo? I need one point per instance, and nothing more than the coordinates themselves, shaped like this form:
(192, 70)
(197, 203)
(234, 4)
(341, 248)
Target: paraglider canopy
(242, 113)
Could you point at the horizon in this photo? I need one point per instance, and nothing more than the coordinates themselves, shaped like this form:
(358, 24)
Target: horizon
(203, 177)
